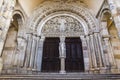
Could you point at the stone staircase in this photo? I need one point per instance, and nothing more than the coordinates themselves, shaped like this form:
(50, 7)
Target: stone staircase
(57, 76)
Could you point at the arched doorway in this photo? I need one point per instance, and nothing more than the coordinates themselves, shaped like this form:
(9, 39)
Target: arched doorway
(66, 21)
(67, 45)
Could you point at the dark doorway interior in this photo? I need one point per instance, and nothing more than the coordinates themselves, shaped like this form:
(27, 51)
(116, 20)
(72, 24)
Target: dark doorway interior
(74, 55)
(50, 60)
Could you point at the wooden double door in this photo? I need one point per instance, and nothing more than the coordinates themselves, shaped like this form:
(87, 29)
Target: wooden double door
(74, 55)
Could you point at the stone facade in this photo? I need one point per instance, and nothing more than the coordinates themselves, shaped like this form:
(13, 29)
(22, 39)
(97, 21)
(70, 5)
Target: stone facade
(21, 52)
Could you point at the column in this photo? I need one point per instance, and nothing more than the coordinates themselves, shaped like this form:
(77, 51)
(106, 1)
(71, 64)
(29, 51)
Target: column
(101, 47)
(89, 52)
(105, 33)
(62, 52)
(40, 53)
(36, 52)
(98, 50)
(33, 51)
(28, 50)
(115, 14)
(108, 52)
(20, 52)
(111, 61)
(92, 50)
(85, 53)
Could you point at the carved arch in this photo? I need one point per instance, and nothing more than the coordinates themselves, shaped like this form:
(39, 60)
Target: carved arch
(105, 10)
(58, 14)
(48, 8)
(19, 13)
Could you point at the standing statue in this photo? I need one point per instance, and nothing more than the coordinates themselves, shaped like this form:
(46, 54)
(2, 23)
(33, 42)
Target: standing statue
(62, 26)
(62, 49)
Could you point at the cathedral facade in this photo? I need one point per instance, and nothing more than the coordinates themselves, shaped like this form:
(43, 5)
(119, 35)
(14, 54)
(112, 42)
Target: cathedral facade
(59, 37)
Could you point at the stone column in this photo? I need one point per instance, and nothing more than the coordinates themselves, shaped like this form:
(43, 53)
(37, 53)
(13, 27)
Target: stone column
(92, 51)
(33, 51)
(85, 53)
(104, 33)
(62, 52)
(108, 51)
(20, 52)
(40, 53)
(28, 50)
(36, 52)
(5, 19)
(19, 55)
(109, 54)
(115, 14)
(100, 53)
(97, 49)
(89, 53)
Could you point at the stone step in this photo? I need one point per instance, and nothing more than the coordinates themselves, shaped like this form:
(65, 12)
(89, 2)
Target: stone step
(57, 76)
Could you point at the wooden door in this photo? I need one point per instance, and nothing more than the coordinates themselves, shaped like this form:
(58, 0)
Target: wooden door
(74, 55)
(50, 60)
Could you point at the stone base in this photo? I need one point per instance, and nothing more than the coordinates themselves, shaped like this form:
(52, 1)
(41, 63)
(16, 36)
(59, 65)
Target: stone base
(62, 72)
(67, 76)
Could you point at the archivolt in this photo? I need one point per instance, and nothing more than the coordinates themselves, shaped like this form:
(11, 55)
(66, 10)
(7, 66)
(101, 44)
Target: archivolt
(49, 7)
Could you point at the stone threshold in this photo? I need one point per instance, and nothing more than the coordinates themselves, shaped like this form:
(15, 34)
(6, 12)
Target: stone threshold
(57, 76)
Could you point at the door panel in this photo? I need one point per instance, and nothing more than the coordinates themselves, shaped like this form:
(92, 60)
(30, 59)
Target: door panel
(74, 55)
(51, 61)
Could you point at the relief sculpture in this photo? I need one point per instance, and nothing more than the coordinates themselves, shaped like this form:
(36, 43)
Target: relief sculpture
(63, 24)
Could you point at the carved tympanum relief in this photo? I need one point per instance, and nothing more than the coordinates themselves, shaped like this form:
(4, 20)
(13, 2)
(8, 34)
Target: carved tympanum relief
(65, 25)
